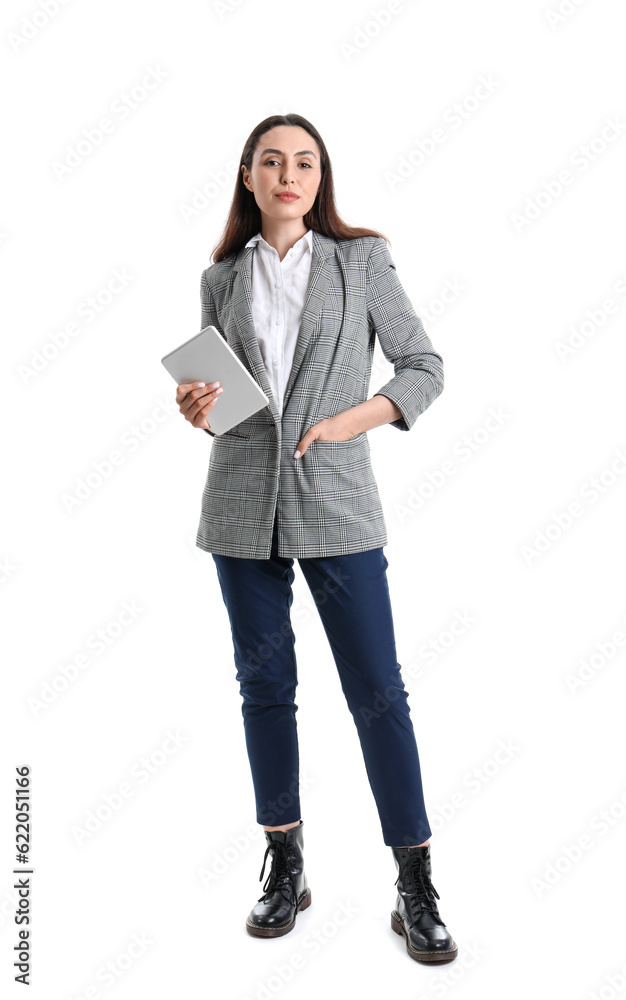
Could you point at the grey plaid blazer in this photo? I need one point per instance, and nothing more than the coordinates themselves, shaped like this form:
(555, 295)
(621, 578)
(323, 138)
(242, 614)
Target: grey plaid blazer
(327, 500)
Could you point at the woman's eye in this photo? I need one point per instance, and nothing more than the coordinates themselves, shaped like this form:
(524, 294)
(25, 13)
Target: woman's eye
(268, 162)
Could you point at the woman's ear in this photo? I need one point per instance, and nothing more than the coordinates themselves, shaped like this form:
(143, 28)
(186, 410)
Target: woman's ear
(246, 176)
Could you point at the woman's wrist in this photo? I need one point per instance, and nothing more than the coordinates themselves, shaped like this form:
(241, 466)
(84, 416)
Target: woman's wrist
(372, 413)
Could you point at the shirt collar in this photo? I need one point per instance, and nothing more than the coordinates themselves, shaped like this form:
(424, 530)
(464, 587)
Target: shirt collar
(307, 241)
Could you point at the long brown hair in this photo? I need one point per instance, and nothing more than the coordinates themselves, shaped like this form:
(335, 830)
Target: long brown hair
(244, 218)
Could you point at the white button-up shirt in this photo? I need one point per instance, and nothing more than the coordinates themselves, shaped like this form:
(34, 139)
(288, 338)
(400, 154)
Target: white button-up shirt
(279, 289)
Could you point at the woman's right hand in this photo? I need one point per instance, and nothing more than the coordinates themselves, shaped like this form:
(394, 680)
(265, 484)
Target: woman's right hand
(196, 399)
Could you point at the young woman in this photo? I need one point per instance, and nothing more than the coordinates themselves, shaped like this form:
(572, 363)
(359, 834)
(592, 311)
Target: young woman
(300, 297)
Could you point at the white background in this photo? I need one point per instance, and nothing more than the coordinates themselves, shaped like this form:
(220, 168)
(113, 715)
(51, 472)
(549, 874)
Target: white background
(529, 911)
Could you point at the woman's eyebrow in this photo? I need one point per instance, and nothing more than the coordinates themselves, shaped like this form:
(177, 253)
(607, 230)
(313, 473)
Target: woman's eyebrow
(303, 152)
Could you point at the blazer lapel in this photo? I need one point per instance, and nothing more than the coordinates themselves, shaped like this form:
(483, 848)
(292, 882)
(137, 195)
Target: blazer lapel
(241, 299)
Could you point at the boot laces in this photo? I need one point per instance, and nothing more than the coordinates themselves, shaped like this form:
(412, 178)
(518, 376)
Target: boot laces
(420, 891)
(280, 878)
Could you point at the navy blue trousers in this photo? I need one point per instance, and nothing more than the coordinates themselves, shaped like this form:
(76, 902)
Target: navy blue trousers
(352, 599)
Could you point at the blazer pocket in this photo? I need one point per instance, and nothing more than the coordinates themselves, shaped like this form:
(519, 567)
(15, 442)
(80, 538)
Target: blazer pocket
(338, 445)
(237, 434)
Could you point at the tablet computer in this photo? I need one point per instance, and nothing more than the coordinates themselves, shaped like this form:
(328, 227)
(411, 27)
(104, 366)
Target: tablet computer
(208, 358)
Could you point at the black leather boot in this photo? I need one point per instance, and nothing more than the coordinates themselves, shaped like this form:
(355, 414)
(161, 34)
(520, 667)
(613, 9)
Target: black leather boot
(286, 890)
(416, 914)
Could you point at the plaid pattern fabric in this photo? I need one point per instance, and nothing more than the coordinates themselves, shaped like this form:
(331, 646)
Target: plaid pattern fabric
(326, 501)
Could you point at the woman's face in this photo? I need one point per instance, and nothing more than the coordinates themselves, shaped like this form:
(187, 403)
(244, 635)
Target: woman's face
(286, 158)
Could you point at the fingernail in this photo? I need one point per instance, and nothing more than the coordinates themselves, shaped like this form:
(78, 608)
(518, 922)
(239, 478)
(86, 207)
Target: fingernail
(217, 391)
(296, 454)
(200, 384)
(213, 385)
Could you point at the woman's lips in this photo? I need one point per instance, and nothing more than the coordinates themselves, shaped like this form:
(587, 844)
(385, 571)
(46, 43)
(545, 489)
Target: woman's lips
(287, 197)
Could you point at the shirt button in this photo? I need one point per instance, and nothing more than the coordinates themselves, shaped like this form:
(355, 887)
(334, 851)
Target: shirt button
(276, 362)
(277, 285)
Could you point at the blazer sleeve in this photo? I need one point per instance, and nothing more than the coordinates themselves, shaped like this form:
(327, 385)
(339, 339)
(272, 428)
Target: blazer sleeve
(208, 315)
(418, 378)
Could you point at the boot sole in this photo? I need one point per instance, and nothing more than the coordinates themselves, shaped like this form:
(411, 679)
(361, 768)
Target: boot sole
(257, 930)
(431, 957)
